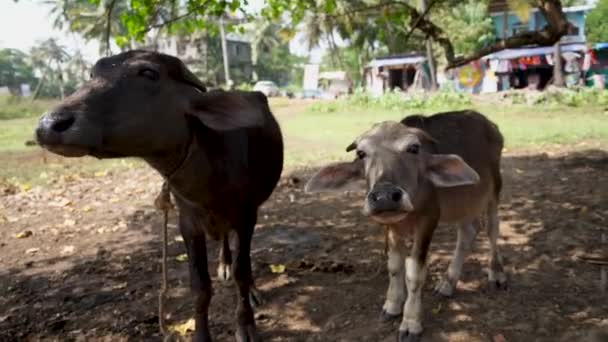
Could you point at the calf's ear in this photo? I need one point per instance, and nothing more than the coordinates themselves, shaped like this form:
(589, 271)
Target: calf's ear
(449, 170)
(336, 177)
(226, 110)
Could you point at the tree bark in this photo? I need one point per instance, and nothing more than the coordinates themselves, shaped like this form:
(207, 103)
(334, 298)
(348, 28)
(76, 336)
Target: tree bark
(558, 75)
(39, 87)
(225, 54)
(429, 52)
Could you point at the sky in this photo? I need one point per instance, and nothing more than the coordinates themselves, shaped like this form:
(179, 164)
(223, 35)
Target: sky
(24, 23)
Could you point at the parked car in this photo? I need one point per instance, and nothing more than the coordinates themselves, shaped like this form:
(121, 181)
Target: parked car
(269, 88)
(315, 94)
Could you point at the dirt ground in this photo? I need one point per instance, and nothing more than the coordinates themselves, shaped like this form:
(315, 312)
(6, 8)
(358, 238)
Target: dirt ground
(90, 269)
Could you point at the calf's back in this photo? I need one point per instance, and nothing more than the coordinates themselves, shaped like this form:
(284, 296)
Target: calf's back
(479, 143)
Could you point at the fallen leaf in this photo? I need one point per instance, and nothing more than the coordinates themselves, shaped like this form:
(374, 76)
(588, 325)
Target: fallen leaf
(114, 200)
(69, 223)
(279, 268)
(101, 173)
(178, 239)
(520, 171)
(436, 310)
(182, 257)
(25, 187)
(87, 208)
(24, 234)
(119, 286)
(67, 250)
(184, 327)
(499, 338)
(32, 251)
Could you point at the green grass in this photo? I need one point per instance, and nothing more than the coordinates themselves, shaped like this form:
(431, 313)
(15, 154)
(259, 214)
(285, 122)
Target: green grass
(15, 132)
(12, 107)
(314, 137)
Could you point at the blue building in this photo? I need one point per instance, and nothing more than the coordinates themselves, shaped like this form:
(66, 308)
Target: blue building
(536, 21)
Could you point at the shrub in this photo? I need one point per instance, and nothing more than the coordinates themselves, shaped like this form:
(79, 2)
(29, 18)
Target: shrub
(13, 107)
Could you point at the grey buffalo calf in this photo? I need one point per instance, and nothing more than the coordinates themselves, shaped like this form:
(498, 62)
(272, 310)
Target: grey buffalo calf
(221, 153)
(419, 172)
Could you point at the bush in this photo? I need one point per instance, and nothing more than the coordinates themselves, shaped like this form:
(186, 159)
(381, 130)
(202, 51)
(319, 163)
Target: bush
(395, 101)
(576, 97)
(13, 107)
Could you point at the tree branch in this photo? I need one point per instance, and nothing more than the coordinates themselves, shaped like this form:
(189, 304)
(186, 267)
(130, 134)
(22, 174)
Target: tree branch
(544, 37)
(109, 26)
(175, 19)
(417, 21)
(557, 27)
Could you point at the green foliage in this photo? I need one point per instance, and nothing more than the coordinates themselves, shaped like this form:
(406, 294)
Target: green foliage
(468, 24)
(279, 65)
(393, 101)
(13, 107)
(573, 98)
(595, 25)
(15, 69)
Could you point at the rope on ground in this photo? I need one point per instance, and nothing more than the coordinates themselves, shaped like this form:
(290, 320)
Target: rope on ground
(163, 203)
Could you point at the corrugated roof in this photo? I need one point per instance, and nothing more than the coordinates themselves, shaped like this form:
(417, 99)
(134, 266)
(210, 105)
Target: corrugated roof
(534, 51)
(414, 59)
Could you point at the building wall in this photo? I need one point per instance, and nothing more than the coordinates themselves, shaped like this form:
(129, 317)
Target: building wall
(537, 21)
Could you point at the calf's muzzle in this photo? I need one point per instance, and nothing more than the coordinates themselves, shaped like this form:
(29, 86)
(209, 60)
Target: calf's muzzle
(387, 199)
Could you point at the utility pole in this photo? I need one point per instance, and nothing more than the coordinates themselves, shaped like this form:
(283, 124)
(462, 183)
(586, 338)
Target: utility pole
(225, 54)
(429, 51)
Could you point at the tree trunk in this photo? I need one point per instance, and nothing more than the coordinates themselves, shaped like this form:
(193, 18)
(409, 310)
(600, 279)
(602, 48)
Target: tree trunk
(254, 60)
(225, 53)
(61, 83)
(39, 87)
(558, 75)
(429, 52)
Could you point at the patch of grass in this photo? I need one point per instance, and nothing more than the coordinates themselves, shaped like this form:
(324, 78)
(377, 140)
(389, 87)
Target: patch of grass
(316, 137)
(13, 107)
(14, 133)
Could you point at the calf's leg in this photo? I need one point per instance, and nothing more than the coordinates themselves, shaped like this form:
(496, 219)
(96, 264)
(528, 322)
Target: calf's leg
(464, 244)
(200, 281)
(241, 270)
(410, 329)
(395, 295)
(224, 261)
(496, 275)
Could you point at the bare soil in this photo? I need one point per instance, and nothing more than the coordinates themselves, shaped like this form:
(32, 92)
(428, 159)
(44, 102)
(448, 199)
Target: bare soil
(90, 268)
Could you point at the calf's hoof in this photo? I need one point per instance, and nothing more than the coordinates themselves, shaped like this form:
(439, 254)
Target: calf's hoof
(223, 271)
(388, 317)
(498, 281)
(201, 336)
(406, 336)
(255, 298)
(445, 288)
(247, 333)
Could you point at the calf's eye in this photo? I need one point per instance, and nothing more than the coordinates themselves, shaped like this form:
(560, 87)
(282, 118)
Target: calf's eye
(361, 154)
(413, 148)
(150, 74)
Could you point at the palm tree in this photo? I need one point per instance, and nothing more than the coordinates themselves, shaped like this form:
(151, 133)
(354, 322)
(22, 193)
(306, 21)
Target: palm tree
(48, 58)
(95, 22)
(264, 36)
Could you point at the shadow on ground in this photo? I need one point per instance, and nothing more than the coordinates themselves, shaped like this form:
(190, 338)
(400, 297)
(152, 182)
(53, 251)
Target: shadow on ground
(335, 278)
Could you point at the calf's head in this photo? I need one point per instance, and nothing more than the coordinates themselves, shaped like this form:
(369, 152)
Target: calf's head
(138, 103)
(400, 169)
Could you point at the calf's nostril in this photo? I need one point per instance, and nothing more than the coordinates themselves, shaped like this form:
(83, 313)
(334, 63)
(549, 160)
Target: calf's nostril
(63, 124)
(396, 196)
(373, 197)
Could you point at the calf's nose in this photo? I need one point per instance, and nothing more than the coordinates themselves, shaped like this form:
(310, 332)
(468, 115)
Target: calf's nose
(52, 125)
(387, 197)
